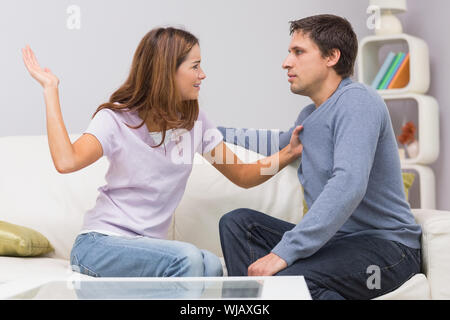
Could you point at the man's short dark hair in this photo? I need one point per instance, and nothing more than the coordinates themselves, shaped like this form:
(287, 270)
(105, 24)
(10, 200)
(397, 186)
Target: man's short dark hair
(331, 32)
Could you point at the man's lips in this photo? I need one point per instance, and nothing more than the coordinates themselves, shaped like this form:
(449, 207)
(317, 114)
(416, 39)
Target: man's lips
(291, 77)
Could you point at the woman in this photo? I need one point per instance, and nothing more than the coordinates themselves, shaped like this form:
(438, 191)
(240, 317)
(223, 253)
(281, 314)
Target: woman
(149, 130)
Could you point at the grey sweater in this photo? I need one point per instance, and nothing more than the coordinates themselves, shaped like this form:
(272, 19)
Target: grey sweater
(350, 172)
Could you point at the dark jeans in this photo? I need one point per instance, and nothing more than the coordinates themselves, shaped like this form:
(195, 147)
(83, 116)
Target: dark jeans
(354, 267)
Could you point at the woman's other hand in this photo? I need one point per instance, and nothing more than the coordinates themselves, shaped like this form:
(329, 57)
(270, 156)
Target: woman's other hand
(44, 76)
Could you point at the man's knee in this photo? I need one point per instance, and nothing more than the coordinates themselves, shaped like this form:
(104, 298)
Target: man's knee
(235, 217)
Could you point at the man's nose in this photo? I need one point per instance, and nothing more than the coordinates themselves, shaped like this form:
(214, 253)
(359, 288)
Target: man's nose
(286, 63)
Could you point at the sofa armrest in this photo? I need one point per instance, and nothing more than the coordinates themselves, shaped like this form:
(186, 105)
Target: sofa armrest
(435, 249)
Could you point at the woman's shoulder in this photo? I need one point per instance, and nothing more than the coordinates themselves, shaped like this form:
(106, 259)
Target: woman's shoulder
(116, 114)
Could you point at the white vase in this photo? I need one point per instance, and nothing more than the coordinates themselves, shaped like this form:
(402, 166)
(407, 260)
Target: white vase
(413, 149)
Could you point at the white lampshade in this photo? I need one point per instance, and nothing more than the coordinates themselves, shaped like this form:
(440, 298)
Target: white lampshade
(396, 6)
(389, 23)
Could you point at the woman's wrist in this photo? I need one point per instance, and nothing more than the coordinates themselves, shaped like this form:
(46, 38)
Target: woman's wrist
(290, 154)
(50, 88)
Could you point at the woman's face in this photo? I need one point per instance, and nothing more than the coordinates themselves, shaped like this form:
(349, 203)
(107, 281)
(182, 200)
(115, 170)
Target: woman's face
(189, 75)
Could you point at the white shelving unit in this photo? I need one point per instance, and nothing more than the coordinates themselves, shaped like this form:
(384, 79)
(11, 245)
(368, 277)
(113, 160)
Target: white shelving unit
(427, 126)
(369, 61)
(372, 52)
(425, 184)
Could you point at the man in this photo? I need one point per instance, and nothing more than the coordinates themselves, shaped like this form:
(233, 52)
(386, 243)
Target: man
(359, 223)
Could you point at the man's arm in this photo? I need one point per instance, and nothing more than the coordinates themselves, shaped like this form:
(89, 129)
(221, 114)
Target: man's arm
(356, 130)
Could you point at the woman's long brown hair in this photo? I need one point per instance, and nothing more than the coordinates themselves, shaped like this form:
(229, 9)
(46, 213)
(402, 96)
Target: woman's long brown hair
(150, 88)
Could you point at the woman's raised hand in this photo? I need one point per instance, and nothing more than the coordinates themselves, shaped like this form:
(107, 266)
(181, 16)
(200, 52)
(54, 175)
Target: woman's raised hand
(44, 76)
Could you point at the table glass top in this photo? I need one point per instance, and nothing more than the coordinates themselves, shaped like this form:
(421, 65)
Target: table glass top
(170, 288)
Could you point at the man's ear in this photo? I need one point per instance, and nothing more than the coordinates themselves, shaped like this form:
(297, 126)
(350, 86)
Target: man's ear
(333, 57)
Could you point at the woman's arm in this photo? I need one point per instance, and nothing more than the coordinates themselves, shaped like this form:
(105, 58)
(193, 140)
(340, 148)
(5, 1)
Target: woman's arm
(252, 174)
(262, 141)
(67, 157)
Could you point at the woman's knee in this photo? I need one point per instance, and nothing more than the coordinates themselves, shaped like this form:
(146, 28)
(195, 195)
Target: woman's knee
(187, 263)
(213, 266)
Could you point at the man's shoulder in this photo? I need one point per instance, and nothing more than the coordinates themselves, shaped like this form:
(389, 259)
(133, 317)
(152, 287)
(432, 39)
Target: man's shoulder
(359, 95)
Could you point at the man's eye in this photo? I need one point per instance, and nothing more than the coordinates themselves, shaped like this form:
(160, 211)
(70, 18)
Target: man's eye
(196, 67)
(298, 52)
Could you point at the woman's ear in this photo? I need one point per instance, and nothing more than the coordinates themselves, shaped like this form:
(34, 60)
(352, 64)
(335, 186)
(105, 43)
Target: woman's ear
(334, 57)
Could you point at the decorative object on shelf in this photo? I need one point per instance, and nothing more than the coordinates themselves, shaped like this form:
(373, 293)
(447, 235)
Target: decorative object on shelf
(408, 140)
(389, 23)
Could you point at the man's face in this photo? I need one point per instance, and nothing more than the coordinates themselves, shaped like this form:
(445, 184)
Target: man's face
(306, 67)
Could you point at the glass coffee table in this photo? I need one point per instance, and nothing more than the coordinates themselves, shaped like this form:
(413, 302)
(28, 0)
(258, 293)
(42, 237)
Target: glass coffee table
(211, 288)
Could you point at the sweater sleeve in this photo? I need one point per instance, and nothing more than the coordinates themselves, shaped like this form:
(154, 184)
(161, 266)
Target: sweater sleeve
(262, 141)
(355, 128)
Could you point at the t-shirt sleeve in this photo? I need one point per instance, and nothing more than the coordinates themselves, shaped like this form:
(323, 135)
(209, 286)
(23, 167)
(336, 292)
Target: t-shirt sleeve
(211, 136)
(102, 126)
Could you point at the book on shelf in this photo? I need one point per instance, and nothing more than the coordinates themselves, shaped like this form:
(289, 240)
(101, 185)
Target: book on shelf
(396, 68)
(390, 72)
(379, 77)
(394, 72)
(401, 77)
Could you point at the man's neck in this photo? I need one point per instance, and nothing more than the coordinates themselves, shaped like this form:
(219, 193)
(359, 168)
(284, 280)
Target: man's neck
(326, 90)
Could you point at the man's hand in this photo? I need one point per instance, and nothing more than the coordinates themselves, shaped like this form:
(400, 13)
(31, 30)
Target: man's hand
(267, 265)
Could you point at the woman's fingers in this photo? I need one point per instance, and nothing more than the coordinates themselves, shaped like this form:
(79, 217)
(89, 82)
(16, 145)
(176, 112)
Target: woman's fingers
(33, 58)
(27, 59)
(298, 129)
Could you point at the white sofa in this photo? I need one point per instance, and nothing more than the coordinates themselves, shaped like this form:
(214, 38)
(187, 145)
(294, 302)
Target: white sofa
(35, 195)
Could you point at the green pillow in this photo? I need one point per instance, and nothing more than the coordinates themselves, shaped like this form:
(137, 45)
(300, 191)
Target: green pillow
(408, 179)
(17, 241)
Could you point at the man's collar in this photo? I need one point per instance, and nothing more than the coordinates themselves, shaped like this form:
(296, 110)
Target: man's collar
(344, 82)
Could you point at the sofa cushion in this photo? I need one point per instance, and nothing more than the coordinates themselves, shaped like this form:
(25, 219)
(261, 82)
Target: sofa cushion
(36, 196)
(416, 288)
(20, 241)
(435, 250)
(15, 268)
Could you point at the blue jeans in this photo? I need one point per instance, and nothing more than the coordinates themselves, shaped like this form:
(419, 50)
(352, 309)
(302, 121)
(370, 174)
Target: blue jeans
(100, 255)
(354, 267)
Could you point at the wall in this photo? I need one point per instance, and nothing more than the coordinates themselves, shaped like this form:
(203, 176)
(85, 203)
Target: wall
(243, 45)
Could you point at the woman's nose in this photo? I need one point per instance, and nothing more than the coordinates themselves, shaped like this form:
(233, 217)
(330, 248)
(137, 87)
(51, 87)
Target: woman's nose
(202, 75)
